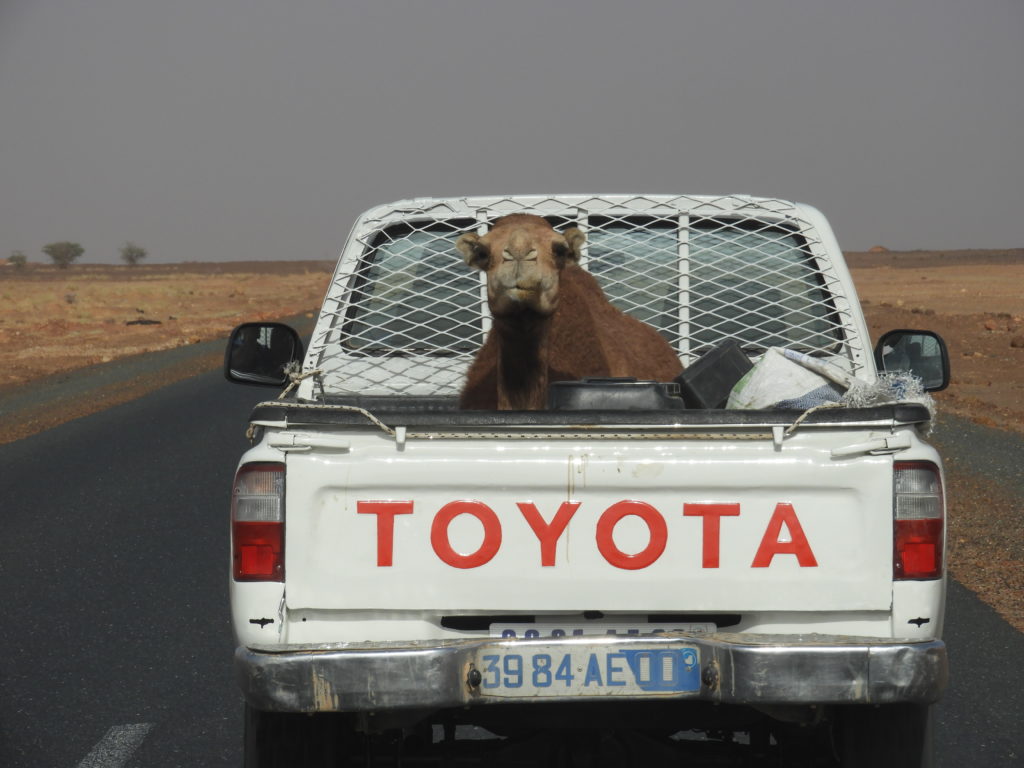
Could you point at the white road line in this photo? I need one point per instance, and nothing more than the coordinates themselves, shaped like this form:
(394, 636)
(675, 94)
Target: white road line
(114, 749)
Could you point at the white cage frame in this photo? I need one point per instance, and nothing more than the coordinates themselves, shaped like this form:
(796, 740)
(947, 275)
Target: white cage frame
(403, 314)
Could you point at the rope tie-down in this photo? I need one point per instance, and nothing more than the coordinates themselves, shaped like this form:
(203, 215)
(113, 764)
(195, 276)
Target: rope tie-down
(295, 376)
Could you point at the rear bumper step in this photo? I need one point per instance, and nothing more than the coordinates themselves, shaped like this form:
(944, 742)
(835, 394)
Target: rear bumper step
(726, 668)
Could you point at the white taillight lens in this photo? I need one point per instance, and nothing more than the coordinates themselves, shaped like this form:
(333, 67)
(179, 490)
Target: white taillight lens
(918, 520)
(257, 523)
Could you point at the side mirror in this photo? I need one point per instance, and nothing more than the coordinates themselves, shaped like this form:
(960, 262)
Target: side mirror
(258, 352)
(922, 353)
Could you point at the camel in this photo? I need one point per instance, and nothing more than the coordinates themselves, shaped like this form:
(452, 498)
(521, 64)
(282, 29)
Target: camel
(552, 321)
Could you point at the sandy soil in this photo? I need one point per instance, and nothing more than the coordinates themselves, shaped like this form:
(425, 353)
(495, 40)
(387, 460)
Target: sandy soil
(53, 321)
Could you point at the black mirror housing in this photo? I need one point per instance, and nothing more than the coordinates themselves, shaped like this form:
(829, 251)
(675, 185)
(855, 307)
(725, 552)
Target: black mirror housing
(257, 353)
(922, 353)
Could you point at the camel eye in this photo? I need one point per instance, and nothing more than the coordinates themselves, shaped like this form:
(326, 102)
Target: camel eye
(506, 256)
(532, 255)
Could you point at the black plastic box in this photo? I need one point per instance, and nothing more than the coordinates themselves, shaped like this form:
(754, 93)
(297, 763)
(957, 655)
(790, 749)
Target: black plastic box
(614, 395)
(708, 381)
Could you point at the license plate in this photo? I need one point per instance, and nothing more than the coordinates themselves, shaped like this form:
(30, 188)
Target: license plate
(588, 670)
(538, 631)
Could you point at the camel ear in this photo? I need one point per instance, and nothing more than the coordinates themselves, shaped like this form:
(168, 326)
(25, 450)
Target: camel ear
(474, 252)
(572, 248)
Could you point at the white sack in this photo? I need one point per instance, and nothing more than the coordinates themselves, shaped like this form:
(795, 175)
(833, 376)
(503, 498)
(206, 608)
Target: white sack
(782, 379)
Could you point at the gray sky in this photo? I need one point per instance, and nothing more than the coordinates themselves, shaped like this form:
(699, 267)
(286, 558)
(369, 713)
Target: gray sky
(259, 129)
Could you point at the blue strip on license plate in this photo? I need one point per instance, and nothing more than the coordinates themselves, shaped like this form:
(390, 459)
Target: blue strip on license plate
(589, 671)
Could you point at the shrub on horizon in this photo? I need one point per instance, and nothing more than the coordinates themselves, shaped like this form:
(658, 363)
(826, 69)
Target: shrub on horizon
(63, 253)
(132, 254)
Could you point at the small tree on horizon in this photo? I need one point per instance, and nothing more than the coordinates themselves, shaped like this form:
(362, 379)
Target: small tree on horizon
(132, 254)
(18, 259)
(63, 253)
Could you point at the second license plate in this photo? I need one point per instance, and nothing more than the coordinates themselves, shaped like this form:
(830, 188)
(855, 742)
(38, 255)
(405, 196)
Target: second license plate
(540, 630)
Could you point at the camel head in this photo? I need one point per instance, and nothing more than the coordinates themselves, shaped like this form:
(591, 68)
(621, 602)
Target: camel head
(523, 256)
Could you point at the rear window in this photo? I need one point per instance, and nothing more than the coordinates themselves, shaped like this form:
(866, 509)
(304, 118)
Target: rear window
(740, 279)
(743, 280)
(413, 293)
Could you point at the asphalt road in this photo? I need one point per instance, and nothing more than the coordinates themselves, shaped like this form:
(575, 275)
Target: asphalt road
(116, 647)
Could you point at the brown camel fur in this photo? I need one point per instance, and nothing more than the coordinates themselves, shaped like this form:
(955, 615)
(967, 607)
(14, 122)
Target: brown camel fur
(552, 321)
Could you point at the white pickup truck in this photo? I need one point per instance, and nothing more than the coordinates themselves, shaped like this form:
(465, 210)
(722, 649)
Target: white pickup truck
(672, 580)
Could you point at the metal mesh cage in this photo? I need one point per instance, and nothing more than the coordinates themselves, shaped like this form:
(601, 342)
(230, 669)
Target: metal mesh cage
(405, 315)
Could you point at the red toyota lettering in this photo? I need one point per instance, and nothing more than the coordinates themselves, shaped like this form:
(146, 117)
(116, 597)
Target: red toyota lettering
(439, 534)
(385, 512)
(548, 533)
(771, 546)
(655, 524)
(712, 514)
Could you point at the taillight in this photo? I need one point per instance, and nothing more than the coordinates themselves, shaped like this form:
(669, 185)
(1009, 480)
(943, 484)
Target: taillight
(257, 523)
(918, 520)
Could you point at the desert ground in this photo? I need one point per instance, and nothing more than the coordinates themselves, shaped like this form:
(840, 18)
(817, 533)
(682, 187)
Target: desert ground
(55, 321)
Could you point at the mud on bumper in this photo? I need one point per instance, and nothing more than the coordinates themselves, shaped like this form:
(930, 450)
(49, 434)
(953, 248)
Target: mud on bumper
(731, 669)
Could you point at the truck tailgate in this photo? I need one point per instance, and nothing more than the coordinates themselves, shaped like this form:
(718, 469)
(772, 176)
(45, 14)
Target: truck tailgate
(613, 524)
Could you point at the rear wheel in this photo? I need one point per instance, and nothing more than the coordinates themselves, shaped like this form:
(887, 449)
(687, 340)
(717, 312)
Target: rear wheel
(280, 739)
(897, 735)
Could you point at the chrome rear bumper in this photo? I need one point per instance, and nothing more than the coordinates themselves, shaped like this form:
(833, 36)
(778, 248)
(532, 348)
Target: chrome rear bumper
(734, 669)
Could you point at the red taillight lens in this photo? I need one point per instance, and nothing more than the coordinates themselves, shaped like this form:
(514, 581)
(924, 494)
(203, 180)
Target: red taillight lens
(918, 520)
(257, 523)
